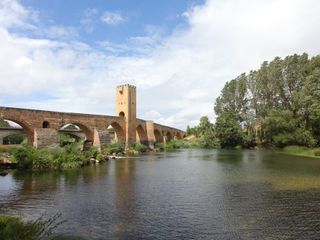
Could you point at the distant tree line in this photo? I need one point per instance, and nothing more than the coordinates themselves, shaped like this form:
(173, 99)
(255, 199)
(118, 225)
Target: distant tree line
(278, 104)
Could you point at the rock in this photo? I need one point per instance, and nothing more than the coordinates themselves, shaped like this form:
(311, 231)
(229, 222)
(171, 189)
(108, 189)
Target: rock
(92, 160)
(3, 173)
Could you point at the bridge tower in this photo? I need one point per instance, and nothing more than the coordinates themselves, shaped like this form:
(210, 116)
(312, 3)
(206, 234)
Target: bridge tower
(126, 107)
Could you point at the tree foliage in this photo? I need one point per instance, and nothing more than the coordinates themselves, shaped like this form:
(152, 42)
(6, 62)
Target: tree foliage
(205, 131)
(277, 104)
(4, 123)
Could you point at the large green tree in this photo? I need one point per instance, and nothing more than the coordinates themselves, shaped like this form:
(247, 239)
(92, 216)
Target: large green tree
(228, 130)
(290, 86)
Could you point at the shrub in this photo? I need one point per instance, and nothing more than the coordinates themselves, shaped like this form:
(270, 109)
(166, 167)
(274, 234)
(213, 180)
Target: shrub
(24, 157)
(74, 148)
(159, 146)
(92, 153)
(114, 148)
(140, 147)
(65, 139)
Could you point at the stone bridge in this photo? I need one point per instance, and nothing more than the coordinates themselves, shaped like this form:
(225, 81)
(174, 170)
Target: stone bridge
(42, 127)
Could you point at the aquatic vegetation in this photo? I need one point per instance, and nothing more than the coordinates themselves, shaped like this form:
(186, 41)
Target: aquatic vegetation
(14, 228)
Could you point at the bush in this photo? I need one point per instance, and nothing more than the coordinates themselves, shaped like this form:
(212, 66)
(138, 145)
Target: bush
(207, 141)
(114, 147)
(65, 139)
(74, 148)
(71, 161)
(248, 141)
(92, 153)
(24, 157)
(140, 147)
(44, 159)
(176, 144)
(159, 146)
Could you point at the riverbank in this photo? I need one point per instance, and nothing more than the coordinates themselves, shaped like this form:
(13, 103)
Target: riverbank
(71, 155)
(301, 151)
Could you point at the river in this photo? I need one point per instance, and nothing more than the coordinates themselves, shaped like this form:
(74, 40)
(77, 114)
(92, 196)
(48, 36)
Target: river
(188, 194)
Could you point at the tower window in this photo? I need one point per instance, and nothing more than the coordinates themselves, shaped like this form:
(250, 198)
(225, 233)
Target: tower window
(121, 114)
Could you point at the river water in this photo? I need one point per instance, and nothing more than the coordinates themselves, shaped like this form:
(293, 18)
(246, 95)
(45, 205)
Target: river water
(189, 194)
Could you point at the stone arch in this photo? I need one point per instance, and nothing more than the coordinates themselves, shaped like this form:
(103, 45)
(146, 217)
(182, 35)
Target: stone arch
(29, 131)
(168, 136)
(178, 135)
(85, 129)
(16, 136)
(158, 136)
(141, 135)
(119, 133)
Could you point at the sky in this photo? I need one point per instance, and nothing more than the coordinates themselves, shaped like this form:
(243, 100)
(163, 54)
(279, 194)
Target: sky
(66, 55)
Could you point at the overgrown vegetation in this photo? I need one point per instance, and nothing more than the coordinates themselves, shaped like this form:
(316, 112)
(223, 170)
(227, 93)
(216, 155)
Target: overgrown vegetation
(205, 134)
(13, 228)
(58, 158)
(302, 151)
(114, 148)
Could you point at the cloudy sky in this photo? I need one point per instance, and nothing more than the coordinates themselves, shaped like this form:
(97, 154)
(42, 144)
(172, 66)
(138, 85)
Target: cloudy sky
(70, 55)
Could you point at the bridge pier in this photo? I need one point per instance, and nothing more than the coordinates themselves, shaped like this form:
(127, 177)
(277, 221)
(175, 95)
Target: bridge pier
(150, 134)
(44, 137)
(101, 138)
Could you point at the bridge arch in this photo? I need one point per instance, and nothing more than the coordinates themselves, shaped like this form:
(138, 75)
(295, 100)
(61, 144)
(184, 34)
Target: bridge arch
(119, 133)
(29, 131)
(168, 136)
(178, 135)
(85, 129)
(141, 135)
(158, 136)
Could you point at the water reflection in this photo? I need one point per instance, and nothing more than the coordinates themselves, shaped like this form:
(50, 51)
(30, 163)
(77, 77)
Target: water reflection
(190, 194)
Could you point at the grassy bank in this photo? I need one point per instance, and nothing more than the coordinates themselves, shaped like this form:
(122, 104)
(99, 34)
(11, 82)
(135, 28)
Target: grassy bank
(302, 151)
(14, 228)
(69, 155)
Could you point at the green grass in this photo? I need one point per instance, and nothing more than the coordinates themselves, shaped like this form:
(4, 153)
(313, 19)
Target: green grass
(7, 148)
(14, 228)
(302, 151)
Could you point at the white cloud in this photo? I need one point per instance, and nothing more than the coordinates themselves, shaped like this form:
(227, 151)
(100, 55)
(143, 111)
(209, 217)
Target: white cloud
(112, 18)
(177, 77)
(88, 19)
(13, 14)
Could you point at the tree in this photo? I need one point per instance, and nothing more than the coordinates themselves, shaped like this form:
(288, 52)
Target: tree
(4, 123)
(290, 86)
(283, 129)
(228, 130)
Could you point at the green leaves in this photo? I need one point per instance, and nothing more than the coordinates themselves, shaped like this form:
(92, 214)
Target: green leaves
(283, 94)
